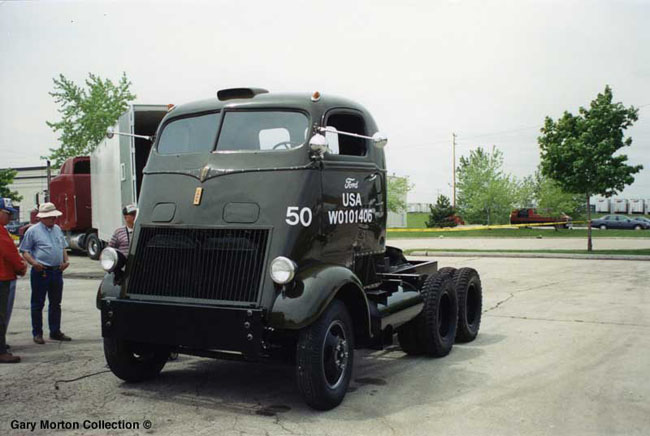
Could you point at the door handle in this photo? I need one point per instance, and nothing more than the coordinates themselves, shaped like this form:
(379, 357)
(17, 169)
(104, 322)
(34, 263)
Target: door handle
(372, 177)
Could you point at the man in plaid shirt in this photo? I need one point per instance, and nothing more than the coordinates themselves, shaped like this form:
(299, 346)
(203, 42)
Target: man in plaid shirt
(122, 236)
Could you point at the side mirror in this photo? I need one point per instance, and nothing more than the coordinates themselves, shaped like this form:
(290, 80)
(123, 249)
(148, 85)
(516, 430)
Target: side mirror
(318, 144)
(110, 132)
(380, 140)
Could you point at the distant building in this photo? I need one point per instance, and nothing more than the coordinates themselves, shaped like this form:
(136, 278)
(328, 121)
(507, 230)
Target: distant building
(29, 182)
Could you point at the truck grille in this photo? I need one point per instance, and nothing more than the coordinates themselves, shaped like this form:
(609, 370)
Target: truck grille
(207, 264)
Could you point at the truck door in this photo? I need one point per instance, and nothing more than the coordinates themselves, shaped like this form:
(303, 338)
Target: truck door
(352, 188)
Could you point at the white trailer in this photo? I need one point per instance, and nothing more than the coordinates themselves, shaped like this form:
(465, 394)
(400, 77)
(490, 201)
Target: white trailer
(619, 205)
(602, 205)
(637, 206)
(116, 166)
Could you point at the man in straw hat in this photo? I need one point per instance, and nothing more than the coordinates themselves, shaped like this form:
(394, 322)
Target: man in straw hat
(44, 248)
(10, 265)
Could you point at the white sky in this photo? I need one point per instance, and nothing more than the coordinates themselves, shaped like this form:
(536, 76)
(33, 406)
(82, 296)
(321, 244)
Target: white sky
(487, 70)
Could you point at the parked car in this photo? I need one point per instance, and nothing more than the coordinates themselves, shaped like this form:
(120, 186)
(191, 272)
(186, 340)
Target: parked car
(619, 222)
(531, 216)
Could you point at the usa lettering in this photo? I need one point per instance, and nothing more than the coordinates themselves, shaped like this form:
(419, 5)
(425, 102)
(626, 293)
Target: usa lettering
(351, 199)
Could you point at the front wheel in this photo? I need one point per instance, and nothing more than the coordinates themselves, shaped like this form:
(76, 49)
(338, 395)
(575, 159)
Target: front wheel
(134, 362)
(637, 227)
(603, 227)
(324, 358)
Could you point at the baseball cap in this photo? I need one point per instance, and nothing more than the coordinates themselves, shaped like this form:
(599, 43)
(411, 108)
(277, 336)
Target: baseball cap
(129, 209)
(5, 204)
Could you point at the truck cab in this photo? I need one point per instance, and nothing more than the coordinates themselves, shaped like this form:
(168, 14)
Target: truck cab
(262, 231)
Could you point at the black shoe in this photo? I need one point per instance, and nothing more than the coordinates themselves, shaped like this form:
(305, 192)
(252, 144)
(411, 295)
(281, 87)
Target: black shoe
(59, 336)
(39, 339)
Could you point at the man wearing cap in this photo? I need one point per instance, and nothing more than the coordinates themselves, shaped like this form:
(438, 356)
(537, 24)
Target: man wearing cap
(44, 248)
(10, 265)
(122, 236)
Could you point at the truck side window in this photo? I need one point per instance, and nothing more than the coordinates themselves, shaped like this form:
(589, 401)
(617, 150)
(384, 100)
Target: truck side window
(82, 167)
(343, 144)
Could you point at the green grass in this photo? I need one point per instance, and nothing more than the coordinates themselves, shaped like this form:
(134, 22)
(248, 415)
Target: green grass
(639, 252)
(523, 233)
(416, 220)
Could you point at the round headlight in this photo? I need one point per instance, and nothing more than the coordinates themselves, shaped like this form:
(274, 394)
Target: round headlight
(109, 259)
(282, 270)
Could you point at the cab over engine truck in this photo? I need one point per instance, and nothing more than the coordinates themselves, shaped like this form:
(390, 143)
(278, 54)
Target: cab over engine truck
(262, 233)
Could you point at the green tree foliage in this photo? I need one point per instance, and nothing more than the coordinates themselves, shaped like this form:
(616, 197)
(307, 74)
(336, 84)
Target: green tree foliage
(525, 192)
(485, 194)
(86, 113)
(441, 214)
(6, 179)
(579, 151)
(397, 189)
(553, 200)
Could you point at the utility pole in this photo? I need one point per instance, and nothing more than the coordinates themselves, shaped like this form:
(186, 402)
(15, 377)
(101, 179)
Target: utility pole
(453, 168)
(49, 179)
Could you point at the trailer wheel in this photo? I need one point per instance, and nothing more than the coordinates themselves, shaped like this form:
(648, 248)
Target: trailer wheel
(432, 332)
(324, 358)
(93, 246)
(470, 304)
(134, 362)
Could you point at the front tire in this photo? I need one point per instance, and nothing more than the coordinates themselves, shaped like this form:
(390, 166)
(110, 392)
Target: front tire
(603, 227)
(324, 358)
(134, 362)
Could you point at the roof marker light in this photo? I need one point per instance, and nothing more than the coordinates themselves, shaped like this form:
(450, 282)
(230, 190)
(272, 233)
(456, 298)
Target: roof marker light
(315, 96)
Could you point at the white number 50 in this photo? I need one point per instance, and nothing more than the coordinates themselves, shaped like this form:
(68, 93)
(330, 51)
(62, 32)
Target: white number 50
(296, 215)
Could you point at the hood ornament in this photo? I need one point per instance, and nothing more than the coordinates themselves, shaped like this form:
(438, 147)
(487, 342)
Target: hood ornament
(204, 173)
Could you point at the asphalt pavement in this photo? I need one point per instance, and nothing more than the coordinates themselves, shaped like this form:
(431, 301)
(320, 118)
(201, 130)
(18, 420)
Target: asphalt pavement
(564, 349)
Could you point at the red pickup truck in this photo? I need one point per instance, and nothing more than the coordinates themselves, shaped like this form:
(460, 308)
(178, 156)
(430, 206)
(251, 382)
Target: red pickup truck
(530, 216)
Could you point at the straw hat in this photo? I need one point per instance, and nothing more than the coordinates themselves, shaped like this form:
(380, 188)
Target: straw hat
(47, 210)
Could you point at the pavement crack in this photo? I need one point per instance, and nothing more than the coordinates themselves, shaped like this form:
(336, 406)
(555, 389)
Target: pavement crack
(576, 321)
(499, 303)
(56, 382)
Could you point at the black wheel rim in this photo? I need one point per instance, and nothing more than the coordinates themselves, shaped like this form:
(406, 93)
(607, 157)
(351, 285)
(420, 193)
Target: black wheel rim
(336, 354)
(444, 315)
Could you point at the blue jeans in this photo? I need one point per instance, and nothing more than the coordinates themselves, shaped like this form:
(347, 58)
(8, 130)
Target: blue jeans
(46, 284)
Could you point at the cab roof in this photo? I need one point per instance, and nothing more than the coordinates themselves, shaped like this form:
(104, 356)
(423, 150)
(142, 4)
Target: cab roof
(301, 101)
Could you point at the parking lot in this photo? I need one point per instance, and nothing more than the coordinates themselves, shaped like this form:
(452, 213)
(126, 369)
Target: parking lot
(564, 349)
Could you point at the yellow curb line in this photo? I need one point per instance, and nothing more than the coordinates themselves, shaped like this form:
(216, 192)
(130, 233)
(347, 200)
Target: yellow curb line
(503, 226)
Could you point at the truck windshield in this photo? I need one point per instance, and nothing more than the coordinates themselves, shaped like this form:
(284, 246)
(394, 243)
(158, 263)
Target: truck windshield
(262, 131)
(189, 135)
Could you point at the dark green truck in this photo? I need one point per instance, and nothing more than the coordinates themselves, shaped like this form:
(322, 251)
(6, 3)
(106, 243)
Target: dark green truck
(261, 234)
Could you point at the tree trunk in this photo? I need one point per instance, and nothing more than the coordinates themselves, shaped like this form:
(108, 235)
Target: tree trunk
(589, 246)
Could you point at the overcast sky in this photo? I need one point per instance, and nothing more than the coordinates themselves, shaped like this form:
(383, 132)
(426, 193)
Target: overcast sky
(490, 71)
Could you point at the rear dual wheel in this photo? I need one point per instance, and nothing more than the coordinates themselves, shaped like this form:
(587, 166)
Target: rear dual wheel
(464, 303)
(433, 331)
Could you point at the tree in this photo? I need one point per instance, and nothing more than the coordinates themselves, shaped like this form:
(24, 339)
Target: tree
(485, 193)
(6, 179)
(578, 152)
(441, 214)
(86, 113)
(397, 189)
(526, 192)
(554, 200)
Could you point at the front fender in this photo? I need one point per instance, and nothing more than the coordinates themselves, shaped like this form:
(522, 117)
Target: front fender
(108, 288)
(312, 291)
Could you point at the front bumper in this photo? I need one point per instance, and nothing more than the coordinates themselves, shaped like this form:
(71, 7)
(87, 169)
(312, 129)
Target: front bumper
(228, 329)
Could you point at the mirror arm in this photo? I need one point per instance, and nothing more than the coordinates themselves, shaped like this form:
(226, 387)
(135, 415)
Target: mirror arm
(325, 129)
